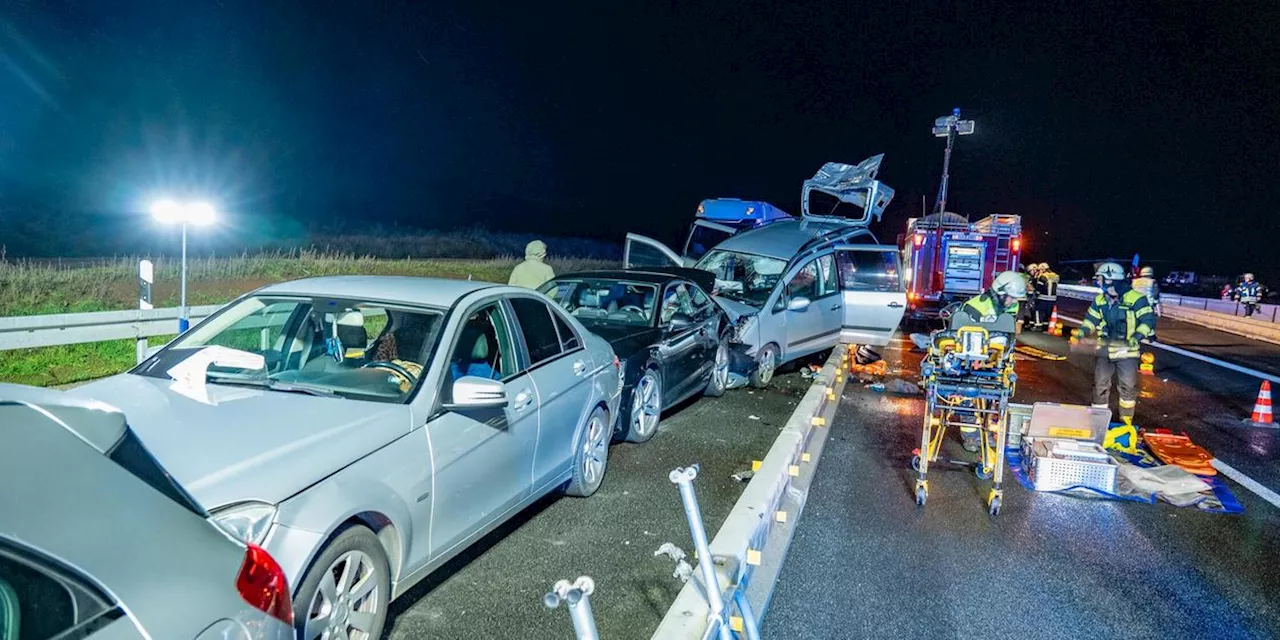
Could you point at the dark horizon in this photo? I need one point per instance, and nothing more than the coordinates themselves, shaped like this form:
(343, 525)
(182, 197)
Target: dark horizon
(1111, 129)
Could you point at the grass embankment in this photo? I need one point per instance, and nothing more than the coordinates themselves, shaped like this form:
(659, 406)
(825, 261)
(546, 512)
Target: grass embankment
(34, 290)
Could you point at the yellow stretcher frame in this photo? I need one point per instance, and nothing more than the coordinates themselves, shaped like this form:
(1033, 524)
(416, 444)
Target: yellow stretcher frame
(978, 400)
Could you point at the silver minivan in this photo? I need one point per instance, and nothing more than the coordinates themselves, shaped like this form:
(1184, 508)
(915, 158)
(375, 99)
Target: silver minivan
(798, 286)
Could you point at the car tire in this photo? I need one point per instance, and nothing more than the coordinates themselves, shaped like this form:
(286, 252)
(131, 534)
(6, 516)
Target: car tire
(590, 455)
(644, 412)
(326, 591)
(720, 370)
(766, 365)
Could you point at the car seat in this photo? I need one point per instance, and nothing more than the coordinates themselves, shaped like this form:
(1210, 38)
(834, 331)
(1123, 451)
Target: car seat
(477, 363)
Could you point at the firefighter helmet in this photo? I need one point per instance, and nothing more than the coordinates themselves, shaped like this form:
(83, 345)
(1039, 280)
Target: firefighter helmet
(1010, 283)
(1110, 271)
(1043, 266)
(1248, 276)
(1147, 272)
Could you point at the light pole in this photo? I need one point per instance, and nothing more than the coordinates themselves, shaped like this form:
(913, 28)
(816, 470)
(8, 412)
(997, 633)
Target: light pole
(949, 127)
(196, 213)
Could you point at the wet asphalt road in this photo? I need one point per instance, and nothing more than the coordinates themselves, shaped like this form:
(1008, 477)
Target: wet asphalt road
(866, 562)
(495, 589)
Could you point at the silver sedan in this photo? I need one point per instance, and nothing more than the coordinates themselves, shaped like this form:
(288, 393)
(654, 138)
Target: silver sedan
(97, 540)
(364, 430)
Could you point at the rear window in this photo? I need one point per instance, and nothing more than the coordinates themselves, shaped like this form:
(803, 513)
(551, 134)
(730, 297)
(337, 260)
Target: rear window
(130, 454)
(40, 598)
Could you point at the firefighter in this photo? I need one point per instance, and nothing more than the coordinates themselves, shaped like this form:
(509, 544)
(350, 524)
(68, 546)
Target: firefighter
(1007, 290)
(1249, 292)
(1046, 288)
(1146, 284)
(1120, 317)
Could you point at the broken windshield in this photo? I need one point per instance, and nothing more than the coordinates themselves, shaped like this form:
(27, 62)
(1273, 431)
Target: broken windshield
(744, 277)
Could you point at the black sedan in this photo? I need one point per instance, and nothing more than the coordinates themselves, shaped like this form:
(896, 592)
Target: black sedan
(671, 337)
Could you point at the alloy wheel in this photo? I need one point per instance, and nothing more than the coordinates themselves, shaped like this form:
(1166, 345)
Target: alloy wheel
(345, 606)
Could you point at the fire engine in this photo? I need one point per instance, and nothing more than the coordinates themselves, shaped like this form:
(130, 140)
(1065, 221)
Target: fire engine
(949, 259)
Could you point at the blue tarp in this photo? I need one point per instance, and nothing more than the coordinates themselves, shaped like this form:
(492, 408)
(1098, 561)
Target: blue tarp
(740, 213)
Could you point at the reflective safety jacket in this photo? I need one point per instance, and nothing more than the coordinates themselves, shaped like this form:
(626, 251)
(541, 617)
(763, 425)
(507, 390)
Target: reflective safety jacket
(1148, 287)
(1047, 286)
(1120, 323)
(981, 309)
(1249, 291)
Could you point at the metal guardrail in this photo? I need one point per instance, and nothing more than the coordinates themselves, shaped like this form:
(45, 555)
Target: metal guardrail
(1264, 312)
(26, 332)
(751, 545)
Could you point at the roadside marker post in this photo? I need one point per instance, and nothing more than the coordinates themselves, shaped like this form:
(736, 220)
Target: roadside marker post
(146, 276)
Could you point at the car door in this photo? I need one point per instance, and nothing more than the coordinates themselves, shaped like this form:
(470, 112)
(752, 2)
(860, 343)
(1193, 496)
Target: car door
(682, 350)
(483, 457)
(640, 251)
(707, 315)
(872, 293)
(561, 370)
(703, 236)
(818, 325)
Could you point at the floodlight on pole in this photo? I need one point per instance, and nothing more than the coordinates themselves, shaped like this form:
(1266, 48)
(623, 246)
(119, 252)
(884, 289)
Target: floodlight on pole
(948, 127)
(193, 213)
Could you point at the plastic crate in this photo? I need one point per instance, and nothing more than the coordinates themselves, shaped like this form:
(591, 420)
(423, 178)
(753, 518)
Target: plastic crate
(1054, 465)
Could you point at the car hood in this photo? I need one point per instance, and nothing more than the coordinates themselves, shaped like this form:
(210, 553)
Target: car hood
(734, 308)
(626, 340)
(243, 443)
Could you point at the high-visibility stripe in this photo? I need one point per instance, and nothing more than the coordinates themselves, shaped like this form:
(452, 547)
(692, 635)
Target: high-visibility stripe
(1127, 404)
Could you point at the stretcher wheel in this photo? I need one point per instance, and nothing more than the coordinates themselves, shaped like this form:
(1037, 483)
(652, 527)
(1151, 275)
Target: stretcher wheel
(915, 463)
(994, 508)
(922, 494)
(983, 472)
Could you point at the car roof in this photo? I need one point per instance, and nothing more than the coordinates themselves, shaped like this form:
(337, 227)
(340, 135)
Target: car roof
(781, 239)
(655, 275)
(439, 292)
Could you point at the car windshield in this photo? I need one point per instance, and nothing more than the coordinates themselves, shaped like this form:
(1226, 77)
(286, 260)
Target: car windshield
(744, 277)
(346, 348)
(605, 300)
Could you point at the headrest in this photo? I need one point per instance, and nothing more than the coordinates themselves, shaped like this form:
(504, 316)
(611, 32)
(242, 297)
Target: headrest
(480, 351)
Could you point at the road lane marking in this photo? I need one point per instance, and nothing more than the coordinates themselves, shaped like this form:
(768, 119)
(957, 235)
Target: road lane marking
(1197, 356)
(1247, 482)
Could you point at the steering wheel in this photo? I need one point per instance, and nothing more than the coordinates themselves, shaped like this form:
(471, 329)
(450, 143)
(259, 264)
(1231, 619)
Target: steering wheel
(392, 367)
(633, 309)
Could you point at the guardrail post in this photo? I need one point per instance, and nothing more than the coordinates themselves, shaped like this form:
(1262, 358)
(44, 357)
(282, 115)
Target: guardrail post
(683, 479)
(576, 597)
(146, 276)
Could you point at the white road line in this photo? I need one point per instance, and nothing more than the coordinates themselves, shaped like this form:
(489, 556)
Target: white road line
(1226, 469)
(1247, 482)
(1197, 356)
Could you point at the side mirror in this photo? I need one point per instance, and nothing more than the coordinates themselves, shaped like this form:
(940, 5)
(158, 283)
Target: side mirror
(798, 303)
(680, 322)
(472, 392)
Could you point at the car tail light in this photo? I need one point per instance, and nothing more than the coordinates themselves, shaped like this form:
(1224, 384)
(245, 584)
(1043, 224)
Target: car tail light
(262, 584)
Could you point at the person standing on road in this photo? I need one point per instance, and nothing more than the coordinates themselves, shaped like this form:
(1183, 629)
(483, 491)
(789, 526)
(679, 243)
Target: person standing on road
(1250, 293)
(534, 271)
(1120, 317)
(987, 308)
(1046, 288)
(1147, 285)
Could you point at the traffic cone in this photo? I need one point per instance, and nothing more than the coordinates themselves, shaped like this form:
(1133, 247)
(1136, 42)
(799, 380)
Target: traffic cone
(1262, 408)
(1055, 327)
(1148, 366)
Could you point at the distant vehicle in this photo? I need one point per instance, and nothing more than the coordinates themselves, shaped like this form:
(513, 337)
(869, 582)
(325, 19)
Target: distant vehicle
(98, 541)
(672, 339)
(950, 259)
(797, 286)
(719, 218)
(364, 430)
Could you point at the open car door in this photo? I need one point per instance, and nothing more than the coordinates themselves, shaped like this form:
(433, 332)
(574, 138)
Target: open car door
(640, 252)
(854, 184)
(872, 292)
(704, 235)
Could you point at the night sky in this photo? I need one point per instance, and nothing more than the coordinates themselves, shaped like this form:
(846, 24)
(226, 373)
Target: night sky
(1111, 128)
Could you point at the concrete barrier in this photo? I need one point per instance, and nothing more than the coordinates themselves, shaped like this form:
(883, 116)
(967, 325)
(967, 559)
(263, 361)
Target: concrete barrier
(751, 545)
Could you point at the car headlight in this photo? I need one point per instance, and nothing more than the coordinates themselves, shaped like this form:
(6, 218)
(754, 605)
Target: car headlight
(742, 329)
(247, 521)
